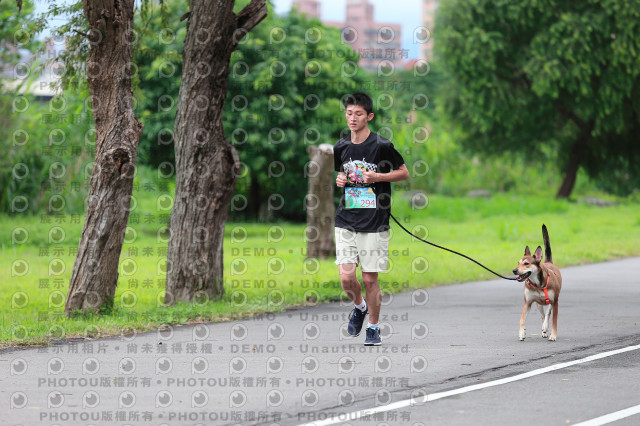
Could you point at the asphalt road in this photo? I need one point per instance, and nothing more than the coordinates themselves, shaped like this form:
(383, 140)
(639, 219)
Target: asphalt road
(450, 356)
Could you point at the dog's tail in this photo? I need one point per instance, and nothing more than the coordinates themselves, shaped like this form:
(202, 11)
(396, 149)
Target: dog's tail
(547, 245)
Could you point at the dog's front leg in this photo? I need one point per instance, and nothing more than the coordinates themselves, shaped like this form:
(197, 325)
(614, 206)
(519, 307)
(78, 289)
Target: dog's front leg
(523, 318)
(545, 310)
(554, 326)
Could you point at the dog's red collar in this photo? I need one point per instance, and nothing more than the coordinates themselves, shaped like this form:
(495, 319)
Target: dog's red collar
(546, 293)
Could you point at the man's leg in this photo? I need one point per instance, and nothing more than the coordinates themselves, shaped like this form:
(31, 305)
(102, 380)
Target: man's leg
(373, 295)
(347, 261)
(374, 300)
(352, 288)
(374, 249)
(374, 257)
(350, 283)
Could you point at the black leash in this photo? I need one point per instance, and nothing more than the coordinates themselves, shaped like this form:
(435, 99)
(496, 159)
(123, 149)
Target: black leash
(452, 251)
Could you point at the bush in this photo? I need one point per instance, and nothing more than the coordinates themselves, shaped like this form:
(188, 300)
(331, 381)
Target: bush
(49, 148)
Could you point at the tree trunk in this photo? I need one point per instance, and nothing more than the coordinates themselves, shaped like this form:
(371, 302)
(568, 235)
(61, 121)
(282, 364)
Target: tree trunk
(576, 155)
(95, 272)
(319, 203)
(206, 164)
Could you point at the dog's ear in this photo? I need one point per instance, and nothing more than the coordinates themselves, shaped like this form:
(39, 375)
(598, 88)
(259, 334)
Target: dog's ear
(538, 254)
(527, 252)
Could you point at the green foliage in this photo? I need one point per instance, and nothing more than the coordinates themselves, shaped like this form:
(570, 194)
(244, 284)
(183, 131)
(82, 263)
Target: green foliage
(527, 74)
(17, 32)
(43, 142)
(432, 151)
(158, 56)
(12, 32)
(287, 78)
(49, 149)
(76, 52)
(405, 113)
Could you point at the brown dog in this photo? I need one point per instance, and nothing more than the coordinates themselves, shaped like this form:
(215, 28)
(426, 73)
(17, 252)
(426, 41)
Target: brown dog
(542, 285)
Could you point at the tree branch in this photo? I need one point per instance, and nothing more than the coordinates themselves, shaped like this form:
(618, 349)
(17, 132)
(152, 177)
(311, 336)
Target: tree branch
(249, 17)
(570, 115)
(81, 33)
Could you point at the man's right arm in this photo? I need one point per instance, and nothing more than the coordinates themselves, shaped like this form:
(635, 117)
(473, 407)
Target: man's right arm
(341, 180)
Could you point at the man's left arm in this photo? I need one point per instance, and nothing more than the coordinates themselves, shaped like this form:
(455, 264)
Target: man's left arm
(401, 173)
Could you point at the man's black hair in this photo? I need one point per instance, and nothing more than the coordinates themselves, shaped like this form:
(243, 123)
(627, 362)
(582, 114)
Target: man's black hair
(360, 99)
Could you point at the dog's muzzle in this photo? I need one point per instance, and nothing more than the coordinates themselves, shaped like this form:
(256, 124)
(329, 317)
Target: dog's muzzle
(523, 276)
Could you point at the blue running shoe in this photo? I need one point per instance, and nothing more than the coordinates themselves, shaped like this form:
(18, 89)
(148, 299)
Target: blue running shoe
(373, 337)
(356, 319)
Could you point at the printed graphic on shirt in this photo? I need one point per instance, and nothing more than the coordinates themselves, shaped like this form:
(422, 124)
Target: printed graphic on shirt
(354, 171)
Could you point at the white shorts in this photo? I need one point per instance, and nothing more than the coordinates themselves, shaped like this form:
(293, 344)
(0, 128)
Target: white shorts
(368, 249)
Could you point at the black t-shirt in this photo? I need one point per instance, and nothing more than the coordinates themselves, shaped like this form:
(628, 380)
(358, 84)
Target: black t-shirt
(375, 154)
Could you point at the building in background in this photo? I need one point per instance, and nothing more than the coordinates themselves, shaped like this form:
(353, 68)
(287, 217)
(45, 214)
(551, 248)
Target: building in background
(310, 8)
(22, 78)
(428, 21)
(379, 44)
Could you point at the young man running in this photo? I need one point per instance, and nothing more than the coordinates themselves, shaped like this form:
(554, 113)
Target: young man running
(366, 164)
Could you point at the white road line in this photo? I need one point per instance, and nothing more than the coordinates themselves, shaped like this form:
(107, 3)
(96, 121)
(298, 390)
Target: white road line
(354, 415)
(612, 417)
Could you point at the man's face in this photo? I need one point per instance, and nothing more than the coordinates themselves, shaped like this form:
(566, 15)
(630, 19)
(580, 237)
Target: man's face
(357, 118)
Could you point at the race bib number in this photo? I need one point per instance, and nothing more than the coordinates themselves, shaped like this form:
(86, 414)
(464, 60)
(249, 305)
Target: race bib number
(359, 198)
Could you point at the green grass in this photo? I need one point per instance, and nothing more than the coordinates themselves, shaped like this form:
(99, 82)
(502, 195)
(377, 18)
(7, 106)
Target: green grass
(265, 265)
